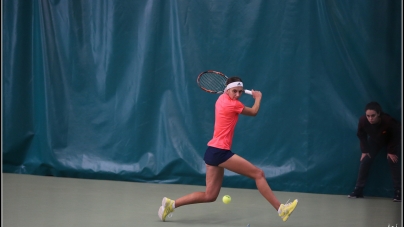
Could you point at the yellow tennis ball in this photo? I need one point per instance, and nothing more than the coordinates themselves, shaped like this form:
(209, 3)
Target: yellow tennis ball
(226, 199)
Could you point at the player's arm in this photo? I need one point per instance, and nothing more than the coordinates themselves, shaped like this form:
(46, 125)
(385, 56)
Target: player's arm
(394, 138)
(362, 135)
(253, 111)
(394, 141)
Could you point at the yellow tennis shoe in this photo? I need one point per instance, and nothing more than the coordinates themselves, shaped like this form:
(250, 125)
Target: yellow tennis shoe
(166, 208)
(285, 210)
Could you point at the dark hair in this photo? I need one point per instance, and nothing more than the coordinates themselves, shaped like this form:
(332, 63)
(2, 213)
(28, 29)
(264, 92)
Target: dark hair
(233, 79)
(374, 106)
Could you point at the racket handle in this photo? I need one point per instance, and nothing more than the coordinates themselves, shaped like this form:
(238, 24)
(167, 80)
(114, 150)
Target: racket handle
(248, 92)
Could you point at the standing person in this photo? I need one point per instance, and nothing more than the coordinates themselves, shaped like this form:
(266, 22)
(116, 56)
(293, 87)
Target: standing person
(218, 155)
(377, 130)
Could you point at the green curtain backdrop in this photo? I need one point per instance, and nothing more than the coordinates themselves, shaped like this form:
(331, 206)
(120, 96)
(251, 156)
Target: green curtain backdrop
(107, 89)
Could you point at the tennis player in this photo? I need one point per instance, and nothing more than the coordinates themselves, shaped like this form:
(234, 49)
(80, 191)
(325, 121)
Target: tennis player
(218, 155)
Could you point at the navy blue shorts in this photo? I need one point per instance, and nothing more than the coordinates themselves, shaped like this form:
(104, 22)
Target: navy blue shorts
(216, 156)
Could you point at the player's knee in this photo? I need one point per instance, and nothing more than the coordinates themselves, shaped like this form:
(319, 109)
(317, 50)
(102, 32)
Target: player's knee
(366, 160)
(210, 198)
(391, 163)
(259, 173)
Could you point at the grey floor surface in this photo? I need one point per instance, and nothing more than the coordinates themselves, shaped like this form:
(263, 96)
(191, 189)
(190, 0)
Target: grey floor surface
(38, 201)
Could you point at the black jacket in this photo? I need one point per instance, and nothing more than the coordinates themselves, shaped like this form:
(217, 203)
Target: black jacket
(385, 133)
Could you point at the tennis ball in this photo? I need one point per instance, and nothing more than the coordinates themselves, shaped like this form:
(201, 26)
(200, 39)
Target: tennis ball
(226, 199)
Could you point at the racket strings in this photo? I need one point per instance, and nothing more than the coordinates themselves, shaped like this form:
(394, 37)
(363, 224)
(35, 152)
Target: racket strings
(213, 82)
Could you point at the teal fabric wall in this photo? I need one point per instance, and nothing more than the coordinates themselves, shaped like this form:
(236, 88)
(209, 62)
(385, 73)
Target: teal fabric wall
(107, 89)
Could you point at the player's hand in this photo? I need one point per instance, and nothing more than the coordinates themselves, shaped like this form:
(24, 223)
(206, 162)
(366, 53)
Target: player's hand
(364, 155)
(393, 157)
(256, 94)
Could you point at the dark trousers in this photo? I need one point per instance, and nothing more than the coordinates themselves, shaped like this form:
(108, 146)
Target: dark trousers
(366, 163)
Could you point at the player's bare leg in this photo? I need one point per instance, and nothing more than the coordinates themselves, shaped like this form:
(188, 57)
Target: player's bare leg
(241, 166)
(214, 179)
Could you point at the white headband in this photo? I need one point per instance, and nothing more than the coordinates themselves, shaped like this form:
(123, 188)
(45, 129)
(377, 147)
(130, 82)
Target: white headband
(234, 84)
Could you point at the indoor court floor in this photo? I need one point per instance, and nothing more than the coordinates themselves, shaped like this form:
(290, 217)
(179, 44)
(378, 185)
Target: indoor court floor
(40, 201)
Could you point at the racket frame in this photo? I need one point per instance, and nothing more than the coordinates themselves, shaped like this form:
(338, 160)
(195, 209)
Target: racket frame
(205, 89)
(218, 73)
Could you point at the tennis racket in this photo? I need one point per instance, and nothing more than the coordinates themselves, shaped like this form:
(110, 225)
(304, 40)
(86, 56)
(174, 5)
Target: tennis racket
(214, 82)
